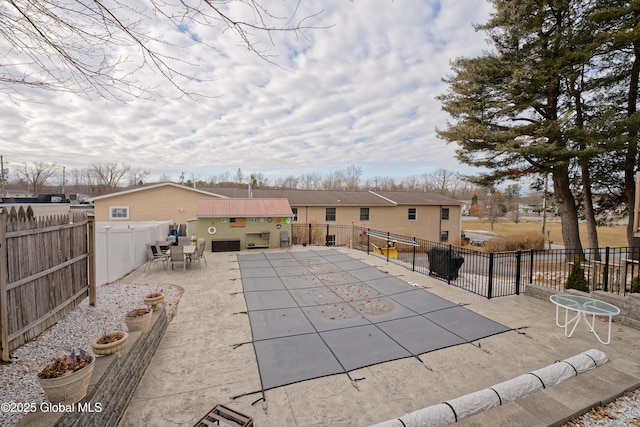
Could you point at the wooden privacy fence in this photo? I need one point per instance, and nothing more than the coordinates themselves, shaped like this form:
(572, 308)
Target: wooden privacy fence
(46, 269)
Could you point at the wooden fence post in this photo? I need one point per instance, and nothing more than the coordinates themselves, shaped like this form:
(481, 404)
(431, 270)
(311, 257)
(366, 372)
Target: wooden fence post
(91, 260)
(4, 307)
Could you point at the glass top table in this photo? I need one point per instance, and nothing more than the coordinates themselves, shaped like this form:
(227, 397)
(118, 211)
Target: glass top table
(583, 307)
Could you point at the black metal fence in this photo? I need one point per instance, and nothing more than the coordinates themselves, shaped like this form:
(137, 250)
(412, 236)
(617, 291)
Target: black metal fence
(490, 274)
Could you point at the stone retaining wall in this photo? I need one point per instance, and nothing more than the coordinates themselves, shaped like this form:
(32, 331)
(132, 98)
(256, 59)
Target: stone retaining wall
(117, 384)
(629, 304)
(113, 382)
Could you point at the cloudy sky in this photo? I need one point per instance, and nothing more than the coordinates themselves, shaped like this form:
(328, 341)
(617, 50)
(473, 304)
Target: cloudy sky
(360, 91)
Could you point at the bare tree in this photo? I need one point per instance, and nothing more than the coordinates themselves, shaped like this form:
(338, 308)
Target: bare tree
(219, 179)
(311, 181)
(446, 183)
(107, 176)
(494, 206)
(411, 183)
(384, 183)
(290, 182)
(76, 179)
(36, 174)
(463, 189)
(258, 180)
(438, 181)
(136, 176)
(512, 195)
(334, 180)
(71, 46)
(351, 176)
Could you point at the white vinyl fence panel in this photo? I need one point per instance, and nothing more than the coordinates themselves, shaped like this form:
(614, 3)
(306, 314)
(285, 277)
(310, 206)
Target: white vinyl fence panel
(121, 247)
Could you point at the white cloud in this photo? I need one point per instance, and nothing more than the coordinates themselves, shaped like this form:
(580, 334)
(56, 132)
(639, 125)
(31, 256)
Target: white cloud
(360, 91)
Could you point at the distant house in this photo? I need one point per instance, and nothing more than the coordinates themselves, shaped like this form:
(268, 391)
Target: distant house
(13, 192)
(160, 202)
(423, 215)
(41, 204)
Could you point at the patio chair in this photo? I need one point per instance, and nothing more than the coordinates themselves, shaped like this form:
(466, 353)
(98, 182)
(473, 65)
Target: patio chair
(154, 255)
(177, 256)
(284, 238)
(164, 246)
(199, 253)
(184, 240)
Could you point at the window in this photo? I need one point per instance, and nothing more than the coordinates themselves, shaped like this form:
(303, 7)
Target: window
(331, 239)
(119, 212)
(330, 214)
(237, 222)
(412, 214)
(295, 214)
(364, 214)
(444, 236)
(444, 213)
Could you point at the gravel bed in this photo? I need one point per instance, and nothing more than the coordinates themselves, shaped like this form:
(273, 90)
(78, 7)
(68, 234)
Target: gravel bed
(624, 411)
(76, 330)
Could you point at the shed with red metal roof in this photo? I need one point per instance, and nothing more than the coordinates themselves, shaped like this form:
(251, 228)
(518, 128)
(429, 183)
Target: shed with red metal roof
(245, 223)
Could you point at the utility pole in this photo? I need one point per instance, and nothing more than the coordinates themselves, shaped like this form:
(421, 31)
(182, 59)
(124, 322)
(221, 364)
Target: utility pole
(63, 180)
(3, 177)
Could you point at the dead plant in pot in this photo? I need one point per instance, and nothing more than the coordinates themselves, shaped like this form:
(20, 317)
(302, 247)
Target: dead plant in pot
(139, 319)
(109, 343)
(66, 379)
(154, 299)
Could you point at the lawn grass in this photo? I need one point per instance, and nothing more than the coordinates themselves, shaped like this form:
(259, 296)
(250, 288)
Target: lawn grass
(612, 236)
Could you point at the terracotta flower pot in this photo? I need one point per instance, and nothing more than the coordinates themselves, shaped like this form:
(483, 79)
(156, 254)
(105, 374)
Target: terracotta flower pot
(110, 343)
(70, 388)
(154, 300)
(138, 319)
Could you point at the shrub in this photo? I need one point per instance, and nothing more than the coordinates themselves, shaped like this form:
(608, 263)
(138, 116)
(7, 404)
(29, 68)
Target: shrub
(576, 279)
(514, 242)
(635, 284)
(459, 242)
(301, 234)
(298, 235)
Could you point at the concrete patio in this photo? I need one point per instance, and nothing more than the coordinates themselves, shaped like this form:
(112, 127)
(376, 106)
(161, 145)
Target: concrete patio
(206, 358)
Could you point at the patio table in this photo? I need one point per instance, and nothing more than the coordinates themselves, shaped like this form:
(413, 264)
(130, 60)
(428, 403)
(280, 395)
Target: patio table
(188, 250)
(583, 307)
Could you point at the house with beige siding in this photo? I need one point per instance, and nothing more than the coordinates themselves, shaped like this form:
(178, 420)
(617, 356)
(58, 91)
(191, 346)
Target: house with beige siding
(159, 202)
(423, 215)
